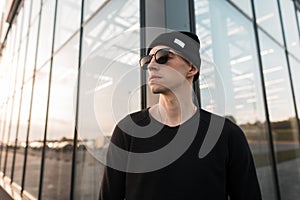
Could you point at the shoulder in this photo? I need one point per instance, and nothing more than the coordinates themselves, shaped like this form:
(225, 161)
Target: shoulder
(220, 123)
(123, 130)
(133, 120)
(136, 118)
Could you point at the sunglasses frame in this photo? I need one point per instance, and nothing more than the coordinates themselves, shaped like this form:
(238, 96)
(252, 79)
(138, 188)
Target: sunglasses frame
(166, 58)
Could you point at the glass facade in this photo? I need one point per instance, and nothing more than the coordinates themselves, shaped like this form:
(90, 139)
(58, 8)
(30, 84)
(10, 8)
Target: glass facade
(230, 83)
(69, 72)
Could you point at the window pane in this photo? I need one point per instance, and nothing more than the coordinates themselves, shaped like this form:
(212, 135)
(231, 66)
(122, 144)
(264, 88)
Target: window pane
(244, 6)
(109, 87)
(19, 23)
(282, 117)
(26, 11)
(36, 132)
(31, 51)
(90, 6)
(6, 136)
(295, 71)
(67, 20)
(12, 128)
(22, 130)
(12, 131)
(46, 33)
(230, 81)
(290, 26)
(60, 128)
(13, 62)
(2, 111)
(267, 16)
(15, 130)
(36, 6)
(3, 137)
(21, 65)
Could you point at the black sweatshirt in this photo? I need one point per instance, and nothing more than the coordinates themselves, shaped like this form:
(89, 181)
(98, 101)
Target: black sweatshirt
(226, 171)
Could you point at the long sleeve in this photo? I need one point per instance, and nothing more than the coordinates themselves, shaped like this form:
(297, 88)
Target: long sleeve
(113, 182)
(242, 179)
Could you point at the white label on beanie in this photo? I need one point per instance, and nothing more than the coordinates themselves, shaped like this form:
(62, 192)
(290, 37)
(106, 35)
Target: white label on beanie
(179, 42)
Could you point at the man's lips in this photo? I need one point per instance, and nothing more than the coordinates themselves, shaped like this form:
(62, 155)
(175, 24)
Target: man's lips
(153, 77)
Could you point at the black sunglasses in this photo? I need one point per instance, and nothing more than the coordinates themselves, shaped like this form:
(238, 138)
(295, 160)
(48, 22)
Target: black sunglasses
(161, 57)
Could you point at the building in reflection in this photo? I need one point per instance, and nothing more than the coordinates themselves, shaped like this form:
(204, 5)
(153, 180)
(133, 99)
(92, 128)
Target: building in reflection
(69, 72)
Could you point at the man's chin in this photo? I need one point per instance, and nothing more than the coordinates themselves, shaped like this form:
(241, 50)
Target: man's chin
(155, 91)
(158, 90)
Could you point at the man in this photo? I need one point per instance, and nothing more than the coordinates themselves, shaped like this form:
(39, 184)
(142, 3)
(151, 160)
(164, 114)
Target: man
(164, 142)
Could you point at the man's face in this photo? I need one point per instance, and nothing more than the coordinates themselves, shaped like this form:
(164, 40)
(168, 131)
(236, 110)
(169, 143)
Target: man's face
(170, 76)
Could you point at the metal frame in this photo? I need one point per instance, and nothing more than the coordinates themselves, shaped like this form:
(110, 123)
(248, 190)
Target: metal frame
(142, 53)
(73, 174)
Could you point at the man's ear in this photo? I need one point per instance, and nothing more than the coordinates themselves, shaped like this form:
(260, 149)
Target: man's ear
(192, 71)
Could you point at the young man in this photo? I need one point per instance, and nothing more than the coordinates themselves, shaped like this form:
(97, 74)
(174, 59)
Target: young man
(156, 153)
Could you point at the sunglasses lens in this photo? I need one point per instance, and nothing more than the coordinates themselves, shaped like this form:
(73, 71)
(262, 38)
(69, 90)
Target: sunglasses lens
(144, 61)
(162, 56)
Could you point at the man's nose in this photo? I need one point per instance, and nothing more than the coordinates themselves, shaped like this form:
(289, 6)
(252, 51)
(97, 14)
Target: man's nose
(153, 65)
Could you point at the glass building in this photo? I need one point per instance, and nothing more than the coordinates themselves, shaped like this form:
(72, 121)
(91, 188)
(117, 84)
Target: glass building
(69, 72)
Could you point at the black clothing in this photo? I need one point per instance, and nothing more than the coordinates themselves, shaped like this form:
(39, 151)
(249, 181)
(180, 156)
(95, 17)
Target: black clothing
(226, 171)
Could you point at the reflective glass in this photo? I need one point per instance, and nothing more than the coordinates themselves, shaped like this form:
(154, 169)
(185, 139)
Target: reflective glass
(295, 72)
(298, 14)
(8, 155)
(109, 87)
(36, 132)
(36, 6)
(21, 65)
(2, 115)
(244, 6)
(19, 22)
(282, 117)
(2, 120)
(22, 130)
(267, 17)
(31, 51)
(13, 65)
(67, 21)
(11, 73)
(61, 125)
(91, 6)
(13, 45)
(13, 131)
(46, 33)
(5, 78)
(6, 160)
(230, 81)
(290, 26)
(21, 51)
(2, 147)
(6, 135)
(26, 10)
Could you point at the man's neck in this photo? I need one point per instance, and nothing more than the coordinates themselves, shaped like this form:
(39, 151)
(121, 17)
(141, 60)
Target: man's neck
(174, 111)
